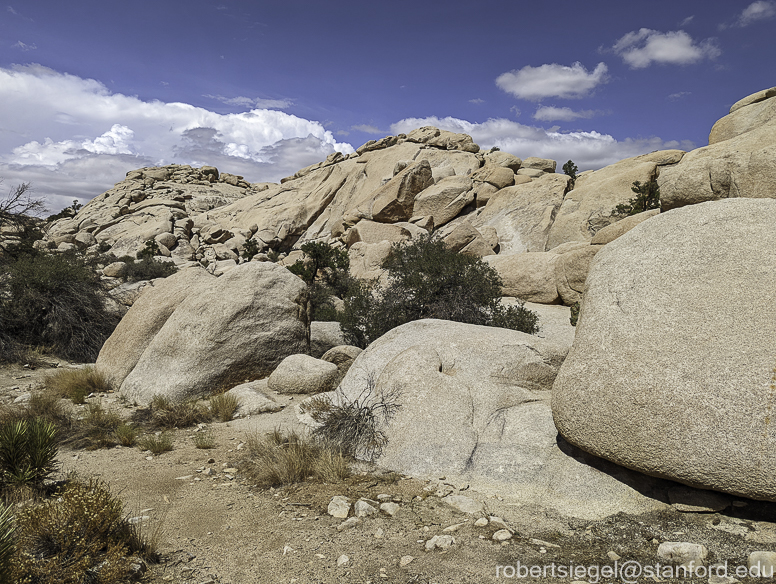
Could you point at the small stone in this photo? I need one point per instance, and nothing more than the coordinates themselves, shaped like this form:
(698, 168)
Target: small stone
(502, 535)
(230, 470)
(348, 523)
(383, 497)
(287, 549)
(543, 543)
(613, 556)
(481, 522)
(339, 507)
(441, 542)
(682, 553)
(464, 504)
(320, 556)
(762, 564)
(184, 478)
(363, 509)
(379, 534)
(498, 523)
(342, 560)
(405, 560)
(389, 509)
(453, 528)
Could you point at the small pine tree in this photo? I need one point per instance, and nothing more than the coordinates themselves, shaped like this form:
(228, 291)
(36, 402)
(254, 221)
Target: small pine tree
(150, 250)
(571, 170)
(647, 197)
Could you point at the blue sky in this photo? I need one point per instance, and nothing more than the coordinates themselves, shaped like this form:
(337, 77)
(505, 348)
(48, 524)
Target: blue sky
(90, 90)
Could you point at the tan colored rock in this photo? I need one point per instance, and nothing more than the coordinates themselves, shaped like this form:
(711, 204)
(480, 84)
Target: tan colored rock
(523, 214)
(253, 398)
(443, 139)
(504, 159)
(324, 335)
(445, 199)
(373, 232)
(342, 356)
(123, 349)
(366, 259)
(615, 230)
(115, 270)
(463, 236)
(498, 176)
(672, 365)
(303, 374)
(543, 164)
(528, 276)
(236, 327)
(589, 207)
(750, 116)
(529, 173)
(483, 192)
(394, 201)
(571, 271)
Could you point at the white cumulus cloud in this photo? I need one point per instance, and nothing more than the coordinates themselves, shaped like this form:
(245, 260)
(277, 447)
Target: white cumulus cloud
(66, 134)
(641, 48)
(756, 11)
(589, 150)
(553, 80)
(561, 114)
(253, 102)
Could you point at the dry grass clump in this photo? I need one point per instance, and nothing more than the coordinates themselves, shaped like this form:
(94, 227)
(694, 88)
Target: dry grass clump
(168, 414)
(80, 535)
(76, 384)
(205, 440)
(44, 405)
(126, 434)
(223, 406)
(97, 428)
(156, 443)
(278, 459)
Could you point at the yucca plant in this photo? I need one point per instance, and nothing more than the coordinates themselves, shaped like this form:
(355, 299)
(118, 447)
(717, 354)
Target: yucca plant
(28, 451)
(7, 541)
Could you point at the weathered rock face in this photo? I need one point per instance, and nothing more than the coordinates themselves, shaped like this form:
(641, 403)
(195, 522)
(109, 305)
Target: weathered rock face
(233, 328)
(671, 372)
(474, 404)
(303, 374)
(589, 206)
(740, 160)
(137, 329)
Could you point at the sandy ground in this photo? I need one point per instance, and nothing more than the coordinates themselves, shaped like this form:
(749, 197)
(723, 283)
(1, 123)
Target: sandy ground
(214, 526)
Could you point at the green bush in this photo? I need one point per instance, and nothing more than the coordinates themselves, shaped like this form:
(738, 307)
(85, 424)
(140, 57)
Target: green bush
(571, 170)
(28, 451)
(326, 271)
(428, 280)
(150, 249)
(250, 249)
(647, 197)
(55, 301)
(148, 269)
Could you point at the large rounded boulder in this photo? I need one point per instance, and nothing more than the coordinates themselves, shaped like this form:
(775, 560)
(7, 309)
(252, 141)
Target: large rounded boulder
(227, 330)
(673, 366)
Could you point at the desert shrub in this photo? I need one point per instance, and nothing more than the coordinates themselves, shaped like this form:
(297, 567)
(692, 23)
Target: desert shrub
(7, 542)
(168, 414)
(56, 301)
(204, 440)
(354, 426)
(76, 384)
(148, 269)
(150, 249)
(79, 536)
(223, 406)
(126, 434)
(647, 197)
(28, 451)
(250, 249)
(97, 429)
(42, 405)
(278, 459)
(428, 280)
(325, 270)
(574, 314)
(571, 170)
(156, 443)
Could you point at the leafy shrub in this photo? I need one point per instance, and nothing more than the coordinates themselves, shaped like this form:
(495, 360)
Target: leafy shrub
(571, 170)
(278, 459)
(148, 269)
(79, 536)
(44, 405)
(428, 280)
(250, 249)
(354, 426)
(168, 414)
(156, 443)
(28, 451)
(56, 301)
(150, 249)
(647, 197)
(76, 384)
(325, 270)
(223, 406)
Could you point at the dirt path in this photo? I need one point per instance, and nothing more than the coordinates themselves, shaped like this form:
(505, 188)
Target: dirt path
(214, 527)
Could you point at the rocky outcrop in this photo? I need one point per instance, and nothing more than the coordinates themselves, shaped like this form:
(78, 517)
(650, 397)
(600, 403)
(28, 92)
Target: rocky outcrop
(671, 372)
(738, 162)
(303, 374)
(228, 330)
(474, 407)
